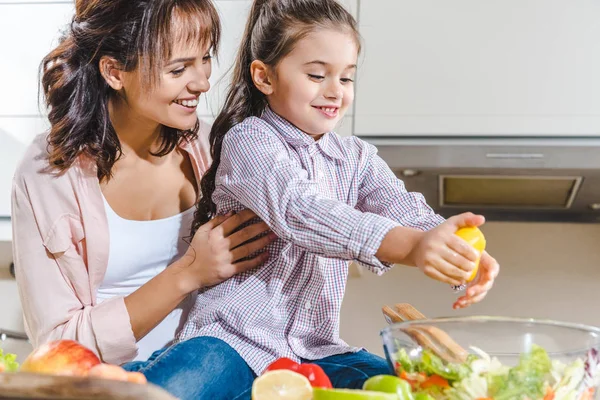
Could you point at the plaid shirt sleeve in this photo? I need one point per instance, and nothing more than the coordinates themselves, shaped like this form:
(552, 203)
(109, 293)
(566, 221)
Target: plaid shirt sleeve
(258, 170)
(382, 193)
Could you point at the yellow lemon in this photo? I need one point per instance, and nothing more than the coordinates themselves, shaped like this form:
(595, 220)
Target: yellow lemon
(281, 384)
(475, 238)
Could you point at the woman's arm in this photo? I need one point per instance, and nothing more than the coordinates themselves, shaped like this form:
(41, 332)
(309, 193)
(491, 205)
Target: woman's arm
(212, 258)
(53, 284)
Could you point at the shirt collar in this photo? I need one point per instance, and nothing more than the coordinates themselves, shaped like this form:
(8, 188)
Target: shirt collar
(296, 138)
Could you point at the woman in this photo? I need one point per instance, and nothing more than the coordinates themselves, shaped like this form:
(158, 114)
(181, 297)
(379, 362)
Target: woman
(102, 203)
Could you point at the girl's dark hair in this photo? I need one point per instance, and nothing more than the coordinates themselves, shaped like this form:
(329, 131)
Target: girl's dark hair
(273, 29)
(137, 34)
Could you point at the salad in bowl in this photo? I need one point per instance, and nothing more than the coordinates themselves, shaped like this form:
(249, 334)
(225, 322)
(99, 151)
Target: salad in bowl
(485, 358)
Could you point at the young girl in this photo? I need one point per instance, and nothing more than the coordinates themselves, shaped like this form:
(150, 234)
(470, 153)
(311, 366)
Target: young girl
(329, 199)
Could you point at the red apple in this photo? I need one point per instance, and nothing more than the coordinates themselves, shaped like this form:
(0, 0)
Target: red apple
(61, 357)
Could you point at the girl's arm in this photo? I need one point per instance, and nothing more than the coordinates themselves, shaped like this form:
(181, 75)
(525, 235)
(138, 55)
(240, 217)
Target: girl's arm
(257, 170)
(382, 193)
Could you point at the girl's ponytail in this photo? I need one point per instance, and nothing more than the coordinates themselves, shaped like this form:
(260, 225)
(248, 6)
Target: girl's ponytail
(272, 30)
(243, 100)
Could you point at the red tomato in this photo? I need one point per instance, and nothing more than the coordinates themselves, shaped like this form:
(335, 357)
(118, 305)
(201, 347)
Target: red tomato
(315, 374)
(284, 363)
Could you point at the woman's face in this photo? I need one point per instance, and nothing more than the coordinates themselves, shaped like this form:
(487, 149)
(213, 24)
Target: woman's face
(174, 98)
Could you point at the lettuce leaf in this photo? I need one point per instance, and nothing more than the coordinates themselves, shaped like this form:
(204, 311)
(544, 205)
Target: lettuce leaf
(526, 379)
(432, 364)
(8, 362)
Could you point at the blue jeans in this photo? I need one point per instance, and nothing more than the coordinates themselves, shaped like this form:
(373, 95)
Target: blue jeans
(208, 368)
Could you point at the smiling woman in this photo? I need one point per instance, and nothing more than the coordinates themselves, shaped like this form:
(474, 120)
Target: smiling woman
(140, 45)
(102, 204)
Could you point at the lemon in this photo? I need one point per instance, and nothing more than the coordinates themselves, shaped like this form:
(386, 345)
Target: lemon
(475, 238)
(350, 394)
(281, 384)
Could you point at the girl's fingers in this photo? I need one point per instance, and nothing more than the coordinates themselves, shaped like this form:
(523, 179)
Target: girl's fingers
(466, 301)
(461, 247)
(451, 270)
(458, 260)
(438, 275)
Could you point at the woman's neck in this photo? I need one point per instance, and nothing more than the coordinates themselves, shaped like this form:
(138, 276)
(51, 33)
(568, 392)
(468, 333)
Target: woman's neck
(137, 135)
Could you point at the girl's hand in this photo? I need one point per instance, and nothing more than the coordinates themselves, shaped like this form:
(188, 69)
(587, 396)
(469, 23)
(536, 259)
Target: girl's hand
(445, 257)
(481, 285)
(215, 252)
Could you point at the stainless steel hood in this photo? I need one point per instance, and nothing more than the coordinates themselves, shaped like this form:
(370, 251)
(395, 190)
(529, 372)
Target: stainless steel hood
(503, 178)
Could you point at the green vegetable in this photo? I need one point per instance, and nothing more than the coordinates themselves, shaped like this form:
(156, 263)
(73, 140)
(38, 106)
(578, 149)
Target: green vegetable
(432, 364)
(9, 362)
(526, 379)
(405, 362)
(482, 376)
(423, 396)
(389, 384)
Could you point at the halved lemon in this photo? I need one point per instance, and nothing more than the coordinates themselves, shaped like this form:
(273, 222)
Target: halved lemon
(351, 394)
(281, 385)
(475, 238)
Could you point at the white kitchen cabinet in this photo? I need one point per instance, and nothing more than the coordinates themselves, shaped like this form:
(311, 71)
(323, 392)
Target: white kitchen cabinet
(472, 67)
(29, 31)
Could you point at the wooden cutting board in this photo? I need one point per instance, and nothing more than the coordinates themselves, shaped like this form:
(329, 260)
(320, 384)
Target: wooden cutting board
(20, 385)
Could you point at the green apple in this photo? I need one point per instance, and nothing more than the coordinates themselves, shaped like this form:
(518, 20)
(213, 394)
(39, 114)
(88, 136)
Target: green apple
(389, 384)
(349, 394)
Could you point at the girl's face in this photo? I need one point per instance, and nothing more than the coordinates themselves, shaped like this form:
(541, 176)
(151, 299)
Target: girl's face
(174, 99)
(313, 86)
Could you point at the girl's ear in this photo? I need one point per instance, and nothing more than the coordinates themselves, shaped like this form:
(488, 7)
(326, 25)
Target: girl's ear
(110, 71)
(262, 77)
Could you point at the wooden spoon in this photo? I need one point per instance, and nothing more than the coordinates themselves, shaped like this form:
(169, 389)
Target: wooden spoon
(426, 336)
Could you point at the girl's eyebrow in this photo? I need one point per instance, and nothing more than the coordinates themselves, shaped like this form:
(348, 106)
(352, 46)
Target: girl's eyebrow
(179, 60)
(319, 62)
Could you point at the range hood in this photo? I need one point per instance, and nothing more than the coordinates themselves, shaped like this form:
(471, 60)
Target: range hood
(486, 106)
(507, 179)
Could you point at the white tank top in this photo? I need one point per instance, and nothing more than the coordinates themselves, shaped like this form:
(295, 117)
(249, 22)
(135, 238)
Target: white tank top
(139, 250)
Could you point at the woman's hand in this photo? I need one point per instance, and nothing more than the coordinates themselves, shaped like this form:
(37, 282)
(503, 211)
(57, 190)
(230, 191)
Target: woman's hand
(216, 250)
(445, 257)
(481, 285)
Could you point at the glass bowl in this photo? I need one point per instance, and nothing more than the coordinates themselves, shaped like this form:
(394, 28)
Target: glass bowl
(413, 348)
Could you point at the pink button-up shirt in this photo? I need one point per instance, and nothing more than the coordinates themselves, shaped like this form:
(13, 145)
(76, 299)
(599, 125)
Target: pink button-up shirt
(61, 248)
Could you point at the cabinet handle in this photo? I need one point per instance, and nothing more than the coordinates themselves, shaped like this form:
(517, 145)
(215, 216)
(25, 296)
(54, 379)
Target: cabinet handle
(519, 156)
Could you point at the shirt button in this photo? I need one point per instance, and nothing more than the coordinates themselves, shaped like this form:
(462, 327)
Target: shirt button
(307, 305)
